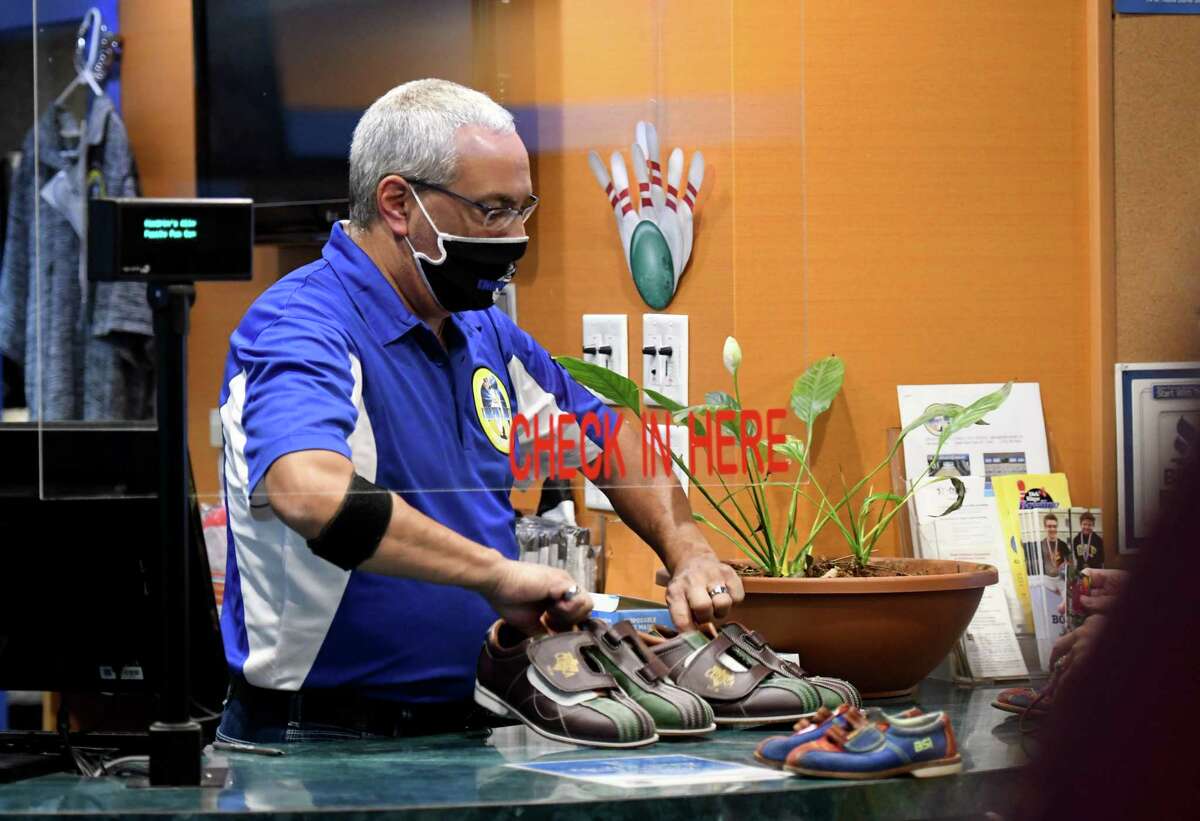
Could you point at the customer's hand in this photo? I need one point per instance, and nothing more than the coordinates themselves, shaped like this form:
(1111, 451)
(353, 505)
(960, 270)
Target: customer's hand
(522, 593)
(688, 596)
(1072, 648)
(1105, 587)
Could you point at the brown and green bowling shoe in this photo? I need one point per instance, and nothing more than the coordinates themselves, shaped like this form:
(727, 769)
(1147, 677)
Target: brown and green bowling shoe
(739, 689)
(834, 691)
(557, 687)
(645, 679)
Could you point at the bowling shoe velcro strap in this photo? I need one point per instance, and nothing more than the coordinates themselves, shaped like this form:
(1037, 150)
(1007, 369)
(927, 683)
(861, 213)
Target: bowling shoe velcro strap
(706, 675)
(560, 660)
(752, 642)
(652, 668)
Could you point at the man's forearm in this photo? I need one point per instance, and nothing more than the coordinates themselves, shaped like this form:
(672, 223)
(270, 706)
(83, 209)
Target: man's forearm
(307, 488)
(654, 507)
(416, 546)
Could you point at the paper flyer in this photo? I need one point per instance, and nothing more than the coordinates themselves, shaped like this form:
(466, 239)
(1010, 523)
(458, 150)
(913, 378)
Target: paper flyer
(969, 534)
(1012, 441)
(989, 641)
(972, 534)
(1026, 491)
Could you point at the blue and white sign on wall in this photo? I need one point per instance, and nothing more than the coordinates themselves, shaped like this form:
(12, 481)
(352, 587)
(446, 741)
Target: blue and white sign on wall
(1158, 428)
(1157, 6)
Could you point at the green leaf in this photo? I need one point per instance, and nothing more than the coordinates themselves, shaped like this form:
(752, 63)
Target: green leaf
(974, 412)
(815, 391)
(667, 402)
(611, 386)
(753, 554)
(960, 491)
(792, 448)
(720, 399)
(932, 412)
(876, 497)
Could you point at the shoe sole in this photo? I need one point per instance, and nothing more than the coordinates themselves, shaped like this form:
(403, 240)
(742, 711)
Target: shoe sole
(1012, 708)
(770, 762)
(925, 769)
(487, 699)
(720, 722)
(678, 733)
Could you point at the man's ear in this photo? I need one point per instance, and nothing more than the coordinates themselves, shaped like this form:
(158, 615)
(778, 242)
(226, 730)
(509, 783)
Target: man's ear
(392, 197)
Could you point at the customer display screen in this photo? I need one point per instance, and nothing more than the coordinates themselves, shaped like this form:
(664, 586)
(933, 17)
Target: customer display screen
(132, 239)
(196, 240)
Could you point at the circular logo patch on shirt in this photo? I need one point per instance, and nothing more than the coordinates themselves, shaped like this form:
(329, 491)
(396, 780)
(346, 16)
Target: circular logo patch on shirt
(493, 408)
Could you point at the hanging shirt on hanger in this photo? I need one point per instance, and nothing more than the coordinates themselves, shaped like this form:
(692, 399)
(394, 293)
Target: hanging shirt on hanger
(95, 358)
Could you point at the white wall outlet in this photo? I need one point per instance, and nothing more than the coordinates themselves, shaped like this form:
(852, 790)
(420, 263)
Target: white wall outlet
(606, 342)
(665, 355)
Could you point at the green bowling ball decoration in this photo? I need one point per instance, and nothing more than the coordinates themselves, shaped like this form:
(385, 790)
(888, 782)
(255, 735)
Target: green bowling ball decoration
(656, 239)
(651, 265)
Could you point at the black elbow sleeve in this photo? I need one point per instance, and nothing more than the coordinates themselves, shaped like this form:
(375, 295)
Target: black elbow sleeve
(355, 531)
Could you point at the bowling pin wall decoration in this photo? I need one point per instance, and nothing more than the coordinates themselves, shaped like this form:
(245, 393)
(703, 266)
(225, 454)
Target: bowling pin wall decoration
(656, 238)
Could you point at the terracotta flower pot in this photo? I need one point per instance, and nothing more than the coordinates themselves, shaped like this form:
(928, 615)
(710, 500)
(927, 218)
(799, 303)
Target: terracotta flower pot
(884, 634)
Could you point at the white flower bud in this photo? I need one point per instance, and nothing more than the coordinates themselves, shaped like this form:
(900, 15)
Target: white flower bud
(732, 354)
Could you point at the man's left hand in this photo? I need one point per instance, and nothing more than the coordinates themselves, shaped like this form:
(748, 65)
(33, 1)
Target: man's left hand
(689, 596)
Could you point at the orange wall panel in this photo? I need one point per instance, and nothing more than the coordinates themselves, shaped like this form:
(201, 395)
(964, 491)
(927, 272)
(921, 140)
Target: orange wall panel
(905, 186)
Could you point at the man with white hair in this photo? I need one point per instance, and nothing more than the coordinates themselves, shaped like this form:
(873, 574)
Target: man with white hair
(367, 473)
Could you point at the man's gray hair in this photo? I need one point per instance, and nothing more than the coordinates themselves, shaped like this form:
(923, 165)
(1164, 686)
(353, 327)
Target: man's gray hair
(410, 131)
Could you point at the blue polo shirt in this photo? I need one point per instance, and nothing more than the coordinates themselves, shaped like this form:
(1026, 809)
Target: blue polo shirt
(329, 358)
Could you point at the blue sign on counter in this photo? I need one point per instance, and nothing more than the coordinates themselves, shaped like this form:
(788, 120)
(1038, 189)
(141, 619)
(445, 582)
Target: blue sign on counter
(652, 770)
(1157, 7)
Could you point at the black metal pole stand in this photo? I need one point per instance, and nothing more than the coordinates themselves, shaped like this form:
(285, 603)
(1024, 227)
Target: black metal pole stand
(175, 740)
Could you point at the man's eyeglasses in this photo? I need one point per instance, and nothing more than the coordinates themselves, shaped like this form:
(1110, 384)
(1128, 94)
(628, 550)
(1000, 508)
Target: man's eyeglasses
(494, 219)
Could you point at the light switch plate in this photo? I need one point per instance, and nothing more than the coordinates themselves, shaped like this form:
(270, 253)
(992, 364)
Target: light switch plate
(607, 331)
(666, 374)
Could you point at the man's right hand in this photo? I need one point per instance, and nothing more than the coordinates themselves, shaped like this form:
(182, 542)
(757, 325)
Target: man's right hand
(522, 592)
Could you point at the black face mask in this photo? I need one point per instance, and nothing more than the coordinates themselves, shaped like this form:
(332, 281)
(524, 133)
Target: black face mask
(472, 270)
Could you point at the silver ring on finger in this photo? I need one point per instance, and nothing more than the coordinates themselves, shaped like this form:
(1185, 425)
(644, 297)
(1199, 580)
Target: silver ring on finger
(717, 589)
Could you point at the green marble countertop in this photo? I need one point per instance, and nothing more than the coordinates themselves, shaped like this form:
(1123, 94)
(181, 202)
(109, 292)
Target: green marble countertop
(465, 777)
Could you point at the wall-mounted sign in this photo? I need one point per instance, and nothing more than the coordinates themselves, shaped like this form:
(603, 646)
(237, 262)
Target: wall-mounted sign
(1158, 424)
(1156, 7)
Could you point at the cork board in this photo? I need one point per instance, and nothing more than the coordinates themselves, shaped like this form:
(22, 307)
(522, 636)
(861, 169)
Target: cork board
(1156, 111)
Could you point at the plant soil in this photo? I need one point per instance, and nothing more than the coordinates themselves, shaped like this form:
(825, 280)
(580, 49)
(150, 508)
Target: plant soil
(845, 566)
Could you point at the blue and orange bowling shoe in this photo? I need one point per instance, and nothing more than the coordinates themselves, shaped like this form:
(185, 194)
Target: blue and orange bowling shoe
(921, 745)
(774, 751)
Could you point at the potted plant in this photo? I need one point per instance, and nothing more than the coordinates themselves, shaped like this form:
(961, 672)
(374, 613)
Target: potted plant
(882, 623)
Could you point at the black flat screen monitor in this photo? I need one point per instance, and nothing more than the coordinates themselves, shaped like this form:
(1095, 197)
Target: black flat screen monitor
(78, 611)
(280, 85)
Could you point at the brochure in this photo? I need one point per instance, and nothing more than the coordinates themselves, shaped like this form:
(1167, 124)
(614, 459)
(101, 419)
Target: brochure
(1025, 491)
(1045, 537)
(1085, 545)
